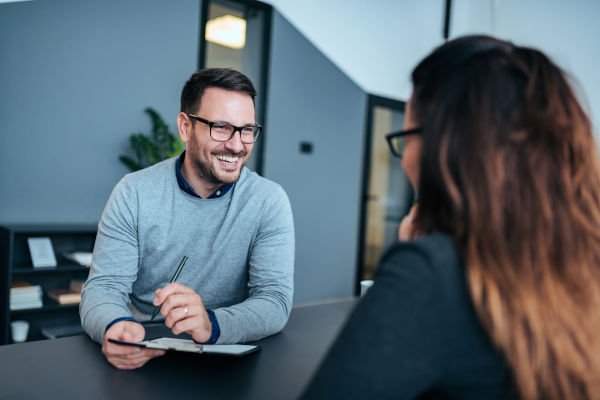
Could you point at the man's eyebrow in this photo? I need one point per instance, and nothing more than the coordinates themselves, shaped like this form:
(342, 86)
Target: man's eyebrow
(230, 123)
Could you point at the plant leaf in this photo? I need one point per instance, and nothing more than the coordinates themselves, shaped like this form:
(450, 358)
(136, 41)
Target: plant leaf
(151, 149)
(132, 165)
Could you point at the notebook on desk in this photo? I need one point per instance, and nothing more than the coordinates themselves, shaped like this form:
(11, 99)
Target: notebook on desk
(159, 336)
(189, 346)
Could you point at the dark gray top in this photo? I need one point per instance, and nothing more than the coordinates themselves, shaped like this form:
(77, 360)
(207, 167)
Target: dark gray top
(415, 334)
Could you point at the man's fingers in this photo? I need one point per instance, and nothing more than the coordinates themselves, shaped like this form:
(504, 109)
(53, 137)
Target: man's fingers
(198, 327)
(183, 325)
(117, 350)
(139, 354)
(189, 300)
(175, 300)
(126, 336)
(170, 289)
(131, 363)
(177, 314)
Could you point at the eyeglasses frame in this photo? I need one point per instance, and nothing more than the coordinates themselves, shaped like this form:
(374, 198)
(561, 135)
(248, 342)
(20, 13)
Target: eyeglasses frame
(235, 128)
(404, 132)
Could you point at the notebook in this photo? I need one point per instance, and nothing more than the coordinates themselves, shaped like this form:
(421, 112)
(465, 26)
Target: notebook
(189, 346)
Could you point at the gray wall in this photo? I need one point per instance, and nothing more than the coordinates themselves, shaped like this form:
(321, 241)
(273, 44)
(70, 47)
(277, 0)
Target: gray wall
(75, 77)
(311, 100)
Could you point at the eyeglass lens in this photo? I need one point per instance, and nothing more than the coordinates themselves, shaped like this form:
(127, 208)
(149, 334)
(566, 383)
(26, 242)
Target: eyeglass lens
(223, 132)
(397, 144)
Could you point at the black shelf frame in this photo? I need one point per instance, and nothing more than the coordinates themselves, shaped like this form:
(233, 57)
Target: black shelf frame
(49, 305)
(48, 270)
(15, 264)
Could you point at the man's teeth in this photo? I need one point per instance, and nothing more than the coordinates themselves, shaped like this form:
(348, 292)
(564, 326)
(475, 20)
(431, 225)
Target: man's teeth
(228, 159)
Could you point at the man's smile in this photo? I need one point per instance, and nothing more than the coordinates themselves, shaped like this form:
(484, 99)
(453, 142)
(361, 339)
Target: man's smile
(228, 159)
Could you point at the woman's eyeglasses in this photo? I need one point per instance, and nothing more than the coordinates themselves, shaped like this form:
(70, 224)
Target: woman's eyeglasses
(396, 140)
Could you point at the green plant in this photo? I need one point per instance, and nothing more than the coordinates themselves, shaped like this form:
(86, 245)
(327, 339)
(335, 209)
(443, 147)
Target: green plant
(150, 149)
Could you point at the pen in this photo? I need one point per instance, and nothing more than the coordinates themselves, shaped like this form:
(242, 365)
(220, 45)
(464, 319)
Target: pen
(173, 279)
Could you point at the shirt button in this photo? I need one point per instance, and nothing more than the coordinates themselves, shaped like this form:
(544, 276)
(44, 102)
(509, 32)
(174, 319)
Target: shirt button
(218, 192)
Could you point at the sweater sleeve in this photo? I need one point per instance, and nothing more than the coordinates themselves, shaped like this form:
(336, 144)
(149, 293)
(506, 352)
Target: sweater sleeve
(114, 264)
(270, 279)
(390, 346)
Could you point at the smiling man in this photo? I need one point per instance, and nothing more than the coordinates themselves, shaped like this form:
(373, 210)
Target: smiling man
(234, 226)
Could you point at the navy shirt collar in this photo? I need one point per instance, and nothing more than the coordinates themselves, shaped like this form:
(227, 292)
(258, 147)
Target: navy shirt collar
(183, 185)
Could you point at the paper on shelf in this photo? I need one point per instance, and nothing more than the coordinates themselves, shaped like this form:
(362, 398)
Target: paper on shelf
(42, 254)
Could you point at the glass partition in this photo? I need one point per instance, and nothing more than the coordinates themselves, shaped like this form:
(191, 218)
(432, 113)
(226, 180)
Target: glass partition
(387, 194)
(235, 34)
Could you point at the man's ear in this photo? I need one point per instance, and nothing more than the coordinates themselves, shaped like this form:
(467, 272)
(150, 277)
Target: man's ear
(184, 126)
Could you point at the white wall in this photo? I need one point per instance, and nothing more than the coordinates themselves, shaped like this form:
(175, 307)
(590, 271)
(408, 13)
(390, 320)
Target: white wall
(568, 31)
(377, 43)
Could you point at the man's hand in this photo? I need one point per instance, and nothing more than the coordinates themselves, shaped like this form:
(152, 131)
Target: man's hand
(184, 311)
(127, 357)
(407, 229)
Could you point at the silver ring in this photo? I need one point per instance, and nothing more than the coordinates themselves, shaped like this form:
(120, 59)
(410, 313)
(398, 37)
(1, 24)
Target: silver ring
(185, 311)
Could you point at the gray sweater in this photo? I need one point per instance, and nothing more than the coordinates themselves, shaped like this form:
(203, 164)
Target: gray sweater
(240, 249)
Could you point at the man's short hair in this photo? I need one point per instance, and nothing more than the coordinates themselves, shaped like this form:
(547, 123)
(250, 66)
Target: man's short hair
(224, 78)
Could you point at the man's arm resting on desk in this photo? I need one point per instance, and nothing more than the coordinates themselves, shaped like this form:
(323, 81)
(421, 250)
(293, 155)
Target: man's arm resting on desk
(114, 267)
(271, 279)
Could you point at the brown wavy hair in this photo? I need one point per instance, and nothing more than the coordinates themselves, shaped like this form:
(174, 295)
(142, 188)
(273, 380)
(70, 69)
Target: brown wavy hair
(510, 169)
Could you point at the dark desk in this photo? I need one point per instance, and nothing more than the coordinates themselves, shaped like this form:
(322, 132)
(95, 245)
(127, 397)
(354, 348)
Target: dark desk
(74, 367)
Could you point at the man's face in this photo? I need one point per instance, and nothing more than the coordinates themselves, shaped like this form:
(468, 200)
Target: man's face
(219, 162)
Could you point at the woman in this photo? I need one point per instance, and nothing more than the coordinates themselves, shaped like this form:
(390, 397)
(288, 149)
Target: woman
(497, 292)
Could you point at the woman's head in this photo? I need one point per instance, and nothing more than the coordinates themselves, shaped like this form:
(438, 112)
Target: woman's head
(509, 167)
(501, 127)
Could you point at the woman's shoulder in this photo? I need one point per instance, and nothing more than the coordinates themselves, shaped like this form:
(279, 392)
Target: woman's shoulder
(435, 254)
(431, 264)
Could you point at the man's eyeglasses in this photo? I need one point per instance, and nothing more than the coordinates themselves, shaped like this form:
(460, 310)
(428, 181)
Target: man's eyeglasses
(223, 132)
(396, 140)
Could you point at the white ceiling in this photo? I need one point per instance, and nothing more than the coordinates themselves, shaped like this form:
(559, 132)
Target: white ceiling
(376, 43)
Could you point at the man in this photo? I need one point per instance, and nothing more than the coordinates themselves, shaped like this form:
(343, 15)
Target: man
(234, 226)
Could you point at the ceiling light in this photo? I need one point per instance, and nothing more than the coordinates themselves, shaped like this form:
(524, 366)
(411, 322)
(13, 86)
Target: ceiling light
(227, 31)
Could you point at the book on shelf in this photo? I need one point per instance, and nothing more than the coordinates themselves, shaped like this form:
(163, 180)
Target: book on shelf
(77, 285)
(24, 295)
(64, 296)
(22, 287)
(16, 306)
(79, 257)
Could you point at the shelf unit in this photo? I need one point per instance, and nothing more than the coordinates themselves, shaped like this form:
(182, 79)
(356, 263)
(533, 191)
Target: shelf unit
(15, 264)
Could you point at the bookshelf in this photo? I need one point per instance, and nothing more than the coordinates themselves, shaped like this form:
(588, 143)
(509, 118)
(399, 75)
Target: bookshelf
(16, 265)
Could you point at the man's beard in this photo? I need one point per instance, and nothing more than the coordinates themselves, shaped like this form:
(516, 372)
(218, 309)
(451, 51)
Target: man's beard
(208, 170)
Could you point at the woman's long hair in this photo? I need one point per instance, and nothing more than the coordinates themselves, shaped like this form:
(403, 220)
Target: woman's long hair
(510, 169)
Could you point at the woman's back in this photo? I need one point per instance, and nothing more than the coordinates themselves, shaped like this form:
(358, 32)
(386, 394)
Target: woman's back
(415, 334)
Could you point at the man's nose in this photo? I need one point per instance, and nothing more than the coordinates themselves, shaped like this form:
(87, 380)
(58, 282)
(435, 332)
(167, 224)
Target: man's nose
(235, 143)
